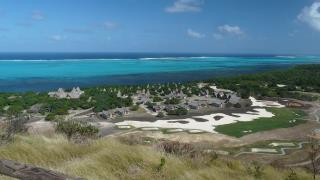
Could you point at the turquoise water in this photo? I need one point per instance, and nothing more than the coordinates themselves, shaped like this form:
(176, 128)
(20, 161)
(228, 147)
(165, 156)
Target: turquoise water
(44, 74)
(73, 68)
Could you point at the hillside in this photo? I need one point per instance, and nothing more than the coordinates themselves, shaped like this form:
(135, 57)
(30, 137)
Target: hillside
(108, 158)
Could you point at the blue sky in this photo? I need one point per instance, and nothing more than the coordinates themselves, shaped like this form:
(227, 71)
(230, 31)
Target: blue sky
(201, 26)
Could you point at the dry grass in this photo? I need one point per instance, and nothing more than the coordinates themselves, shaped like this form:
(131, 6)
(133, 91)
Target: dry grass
(110, 159)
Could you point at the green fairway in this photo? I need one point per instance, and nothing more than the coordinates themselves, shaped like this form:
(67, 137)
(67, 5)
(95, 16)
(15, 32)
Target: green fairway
(284, 118)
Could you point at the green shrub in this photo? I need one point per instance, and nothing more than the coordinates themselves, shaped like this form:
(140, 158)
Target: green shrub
(256, 170)
(72, 128)
(178, 112)
(160, 115)
(162, 163)
(157, 99)
(150, 104)
(15, 109)
(50, 117)
(134, 108)
(172, 101)
(292, 176)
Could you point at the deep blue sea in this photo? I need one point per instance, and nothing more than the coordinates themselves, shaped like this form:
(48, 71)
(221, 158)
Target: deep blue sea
(21, 72)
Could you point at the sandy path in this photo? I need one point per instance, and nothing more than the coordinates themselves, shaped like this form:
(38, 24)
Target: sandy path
(40, 127)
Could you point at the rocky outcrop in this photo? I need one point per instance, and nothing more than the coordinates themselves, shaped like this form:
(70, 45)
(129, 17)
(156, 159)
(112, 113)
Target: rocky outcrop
(28, 172)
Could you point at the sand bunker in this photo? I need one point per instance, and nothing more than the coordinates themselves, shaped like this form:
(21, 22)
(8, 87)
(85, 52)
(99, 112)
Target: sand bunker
(124, 127)
(263, 150)
(207, 126)
(284, 144)
(263, 103)
(150, 129)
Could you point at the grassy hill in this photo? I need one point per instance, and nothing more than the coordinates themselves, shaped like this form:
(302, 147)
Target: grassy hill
(112, 159)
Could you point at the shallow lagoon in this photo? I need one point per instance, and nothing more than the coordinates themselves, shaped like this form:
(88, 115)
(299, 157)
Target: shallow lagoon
(49, 71)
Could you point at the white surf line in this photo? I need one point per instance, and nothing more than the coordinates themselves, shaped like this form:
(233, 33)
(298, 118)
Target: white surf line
(282, 150)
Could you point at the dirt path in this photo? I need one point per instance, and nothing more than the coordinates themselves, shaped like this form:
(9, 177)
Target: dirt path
(315, 112)
(282, 150)
(304, 163)
(314, 115)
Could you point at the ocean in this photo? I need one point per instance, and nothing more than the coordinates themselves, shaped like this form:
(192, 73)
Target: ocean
(21, 72)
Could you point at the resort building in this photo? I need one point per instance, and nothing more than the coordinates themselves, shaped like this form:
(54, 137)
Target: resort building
(118, 112)
(106, 114)
(75, 93)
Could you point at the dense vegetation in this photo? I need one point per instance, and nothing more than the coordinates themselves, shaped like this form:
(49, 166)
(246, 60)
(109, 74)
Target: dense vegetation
(172, 101)
(178, 112)
(304, 78)
(94, 97)
(284, 118)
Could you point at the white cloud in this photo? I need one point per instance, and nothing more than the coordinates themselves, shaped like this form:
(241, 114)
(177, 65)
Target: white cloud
(185, 6)
(228, 29)
(38, 16)
(311, 15)
(195, 34)
(109, 25)
(57, 38)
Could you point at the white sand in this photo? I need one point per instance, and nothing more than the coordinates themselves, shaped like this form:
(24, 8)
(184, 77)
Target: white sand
(263, 103)
(195, 131)
(124, 126)
(40, 127)
(248, 131)
(150, 129)
(213, 87)
(281, 85)
(263, 150)
(220, 152)
(282, 144)
(104, 124)
(207, 126)
(227, 119)
(220, 90)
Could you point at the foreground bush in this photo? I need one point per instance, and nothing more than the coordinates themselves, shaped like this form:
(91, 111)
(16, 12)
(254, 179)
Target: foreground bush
(73, 128)
(50, 117)
(175, 147)
(11, 127)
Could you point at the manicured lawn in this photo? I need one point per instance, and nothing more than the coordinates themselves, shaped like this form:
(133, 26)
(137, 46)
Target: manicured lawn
(282, 119)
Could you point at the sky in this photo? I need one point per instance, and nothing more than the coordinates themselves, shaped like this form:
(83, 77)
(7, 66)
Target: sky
(191, 26)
